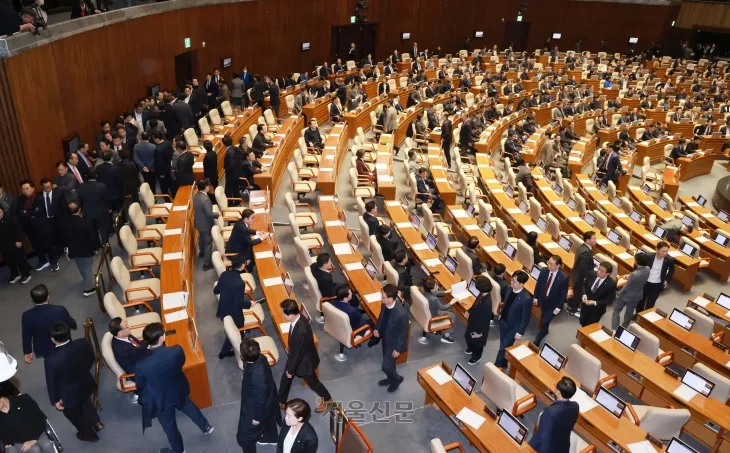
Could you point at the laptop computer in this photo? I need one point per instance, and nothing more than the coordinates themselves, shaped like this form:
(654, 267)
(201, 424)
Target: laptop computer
(688, 249)
(535, 271)
(590, 219)
(510, 425)
(721, 239)
(723, 300)
(565, 243)
(610, 402)
(510, 250)
(464, 379)
(681, 319)
(552, 356)
(614, 237)
(626, 338)
(701, 200)
(542, 224)
(698, 383)
(636, 216)
(677, 446)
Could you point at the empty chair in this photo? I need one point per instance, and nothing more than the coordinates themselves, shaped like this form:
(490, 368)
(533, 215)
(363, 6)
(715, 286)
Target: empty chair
(205, 131)
(601, 221)
(306, 219)
(266, 344)
(310, 240)
(391, 275)
(502, 234)
(151, 233)
(660, 422)
(337, 325)
(525, 255)
(721, 390)
(301, 188)
(505, 393)
(270, 119)
(191, 139)
(227, 110)
(215, 120)
(567, 190)
(377, 254)
(304, 259)
(150, 256)
(649, 345)
(230, 213)
(438, 447)
(135, 291)
(625, 241)
(553, 226)
(627, 205)
(303, 171)
(147, 197)
(703, 325)
(422, 314)
(137, 322)
(443, 243)
(587, 369)
(430, 221)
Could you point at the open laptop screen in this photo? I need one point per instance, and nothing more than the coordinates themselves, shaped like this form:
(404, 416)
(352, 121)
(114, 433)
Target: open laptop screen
(514, 429)
(590, 219)
(552, 356)
(464, 379)
(610, 402)
(677, 446)
(681, 319)
(627, 338)
(723, 300)
(565, 243)
(697, 383)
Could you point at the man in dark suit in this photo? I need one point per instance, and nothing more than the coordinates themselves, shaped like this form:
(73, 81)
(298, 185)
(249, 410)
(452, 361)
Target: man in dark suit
(183, 112)
(510, 146)
(163, 161)
(322, 272)
(599, 290)
(69, 381)
(36, 322)
(662, 272)
(612, 166)
(388, 241)
(346, 304)
(211, 90)
(49, 214)
(426, 190)
(402, 265)
(703, 129)
(184, 172)
(470, 250)
(232, 300)
(243, 238)
(303, 357)
(130, 176)
(582, 265)
(392, 330)
(95, 205)
(447, 132)
(371, 218)
(170, 119)
(127, 349)
(163, 388)
(551, 291)
(198, 98)
(108, 174)
(260, 142)
(678, 151)
(515, 315)
(557, 421)
(81, 161)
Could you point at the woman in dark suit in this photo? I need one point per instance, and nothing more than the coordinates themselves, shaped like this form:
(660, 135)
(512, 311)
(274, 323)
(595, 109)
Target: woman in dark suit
(259, 408)
(532, 242)
(297, 435)
(477, 326)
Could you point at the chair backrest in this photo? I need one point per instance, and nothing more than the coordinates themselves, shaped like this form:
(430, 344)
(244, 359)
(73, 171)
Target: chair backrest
(703, 324)
(190, 138)
(294, 226)
(501, 234)
(226, 108)
(111, 361)
(146, 195)
(136, 216)
(525, 255)
(337, 324)
(442, 239)
(499, 388)
(583, 366)
(215, 117)
(376, 254)
(290, 101)
(625, 241)
(601, 221)
(721, 390)
(627, 205)
(303, 258)
(611, 190)
(567, 190)
(364, 233)
(668, 198)
(234, 336)
(290, 204)
(484, 212)
(113, 307)
(589, 125)
(535, 209)
(649, 344)
(204, 126)
(120, 273)
(314, 291)
(428, 223)
(437, 446)
(220, 198)
(218, 243)
(218, 263)
(664, 423)
(391, 275)
(269, 117)
(553, 226)
(129, 242)
(353, 440)
(639, 133)
(293, 174)
(464, 268)
(419, 308)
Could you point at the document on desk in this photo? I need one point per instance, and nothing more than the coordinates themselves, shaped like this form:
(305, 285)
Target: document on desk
(381, 166)
(257, 200)
(334, 223)
(173, 232)
(692, 204)
(329, 157)
(650, 237)
(176, 316)
(402, 225)
(459, 214)
(385, 178)
(642, 447)
(433, 262)
(585, 402)
(172, 256)
(708, 215)
(471, 227)
(353, 266)
(521, 352)
(701, 301)
(459, 292)
(684, 392)
(652, 316)
(552, 245)
(439, 375)
(178, 208)
(625, 256)
(532, 228)
(470, 417)
(420, 246)
(273, 281)
(373, 297)
(675, 253)
(514, 211)
(342, 249)
(603, 241)
(392, 203)
(599, 336)
(263, 255)
(178, 299)
(492, 248)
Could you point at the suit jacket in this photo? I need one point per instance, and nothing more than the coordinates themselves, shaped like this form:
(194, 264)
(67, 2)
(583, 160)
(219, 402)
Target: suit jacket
(353, 314)
(274, 99)
(519, 313)
(258, 397)
(204, 217)
(130, 178)
(372, 223)
(184, 114)
(556, 425)
(127, 355)
(210, 167)
(603, 295)
(558, 290)
(237, 88)
(160, 381)
(144, 155)
(171, 121)
(303, 357)
(242, 241)
(667, 273)
(387, 248)
(184, 172)
(68, 378)
(94, 199)
(476, 265)
(110, 176)
(197, 100)
(583, 264)
(35, 324)
(305, 442)
(509, 147)
(232, 301)
(634, 288)
(325, 281)
(446, 132)
(80, 237)
(260, 143)
(395, 336)
(82, 167)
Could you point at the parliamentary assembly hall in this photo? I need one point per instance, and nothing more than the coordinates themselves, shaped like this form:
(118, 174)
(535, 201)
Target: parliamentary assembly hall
(364, 226)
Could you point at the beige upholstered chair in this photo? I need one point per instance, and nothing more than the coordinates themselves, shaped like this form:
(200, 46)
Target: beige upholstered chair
(304, 259)
(660, 422)
(376, 254)
(124, 384)
(266, 344)
(337, 325)
(148, 200)
(721, 390)
(422, 314)
(587, 369)
(464, 269)
(135, 291)
(147, 257)
(704, 325)
(301, 188)
(505, 393)
(649, 345)
(229, 213)
(438, 447)
(151, 233)
(136, 322)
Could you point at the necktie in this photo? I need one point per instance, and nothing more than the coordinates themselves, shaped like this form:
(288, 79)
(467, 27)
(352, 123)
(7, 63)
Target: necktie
(291, 328)
(76, 173)
(134, 342)
(547, 287)
(49, 211)
(596, 284)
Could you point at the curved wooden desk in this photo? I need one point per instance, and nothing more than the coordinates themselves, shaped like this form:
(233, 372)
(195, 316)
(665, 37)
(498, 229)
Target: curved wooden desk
(654, 149)
(331, 158)
(360, 117)
(276, 159)
(698, 165)
(319, 109)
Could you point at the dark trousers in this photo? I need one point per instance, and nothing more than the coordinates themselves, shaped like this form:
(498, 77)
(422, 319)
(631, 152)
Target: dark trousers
(266, 431)
(476, 349)
(169, 424)
(544, 327)
(312, 381)
(651, 294)
(150, 178)
(275, 109)
(15, 260)
(101, 228)
(506, 339)
(447, 152)
(164, 183)
(83, 417)
(575, 302)
(388, 365)
(46, 248)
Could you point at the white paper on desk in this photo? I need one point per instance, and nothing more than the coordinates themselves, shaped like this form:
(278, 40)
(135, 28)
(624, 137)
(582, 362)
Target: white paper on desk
(514, 211)
(701, 239)
(492, 248)
(439, 375)
(558, 202)
(420, 246)
(491, 181)
(178, 208)
(176, 316)
(585, 402)
(496, 190)
(625, 256)
(701, 301)
(574, 219)
(650, 237)
(684, 392)
(392, 203)
(433, 262)
(173, 232)
(599, 336)
(260, 211)
(603, 241)
(273, 281)
(266, 254)
(330, 147)
(675, 253)
(383, 153)
(284, 327)
(342, 249)
(470, 417)
(172, 256)
(437, 167)
(353, 266)
(326, 198)
(642, 447)
(385, 178)
(325, 169)
(604, 202)
(652, 316)
(329, 157)
(521, 352)
(333, 223)
(372, 297)
(459, 214)
(708, 215)
(692, 204)
(621, 215)
(255, 200)
(471, 227)
(459, 292)
(531, 228)
(441, 180)
(402, 225)
(381, 166)
(177, 299)
(552, 245)
(197, 165)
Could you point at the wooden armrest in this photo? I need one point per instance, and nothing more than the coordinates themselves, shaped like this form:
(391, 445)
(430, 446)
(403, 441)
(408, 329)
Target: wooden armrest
(142, 269)
(325, 299)
(141, 288)
(318, 242)
(633, 413)
(124, 388)
(454, 446)
(236, 199)
(270, 357)
(664, 354)
(150, 254)
(251, 313)
(610, 378)
(249, 288)
(524, 399)
(364, 338)
(305, 205)
(589, 449)
(314, 150)
(437, 216)
(162, 195)
(438, 319)
(718, 336)
(248, 183)
(142, 302)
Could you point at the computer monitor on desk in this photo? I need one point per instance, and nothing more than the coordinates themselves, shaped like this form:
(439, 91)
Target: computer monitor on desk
(688, 221)
(509, 250)
(450, 264)
(542, 224)
(472, 288)
(590, 219)
(610, 402)
(565, 243)
(469, 208)
(636, 216)
(659, 232)
(688, 249)
(535, 272)
(701, 200)
(664, 204)
(722, 215)
(431, 241)
(614, 237)
(723, 300)
(603, 189)
(464, 379)
(370, 268)
(596, 263)
(487, 228)
(617, 201)
(677, 446)
(558, 189)
(552, 356)
(627, 338)
(523, 207)
(572, 204)
(646, 189)
(508, 190)
(415, 221)
(681, 319)
(697, 383)
(720, 239)
(510, 425)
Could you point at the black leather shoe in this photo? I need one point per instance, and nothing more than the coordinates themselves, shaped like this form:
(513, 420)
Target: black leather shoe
(227, 354)
(384, 382)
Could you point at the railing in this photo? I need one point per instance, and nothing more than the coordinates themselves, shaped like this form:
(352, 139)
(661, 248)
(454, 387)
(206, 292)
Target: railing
(99, 280)
(120, 218)
(93, 339)
(338, 421)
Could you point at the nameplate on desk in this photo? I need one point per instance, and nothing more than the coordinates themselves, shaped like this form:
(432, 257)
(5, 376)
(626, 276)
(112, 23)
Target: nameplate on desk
(178, 299)
(173, 232)
(180, 208)
(441, 180)
(552, 245)
(267, 157)
(574, 159)
(420, 246)
(392, 203)
(652, 316)
(172, 256)
(621, 215)
(484, 166)
(273, 281)
(385, 178)
(402, 225)
(329, 157)
(372, 297)
(692, 204)
(176, 316)
(708, 215)
(353, 266)
(381, 166)
(342, 249)
(492, 248)
(471, 227)
(325, 169)
(574, 219)
(198, 166)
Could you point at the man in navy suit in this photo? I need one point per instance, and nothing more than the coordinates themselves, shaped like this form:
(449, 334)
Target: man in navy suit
(70, 383)
(612, 166)
(243, 238)
(550, 294)
(232, 300)
(662, 272)
(127, 349)
(163, 387)
(371, 218)
(345, 304)
(426, 189)
(515, 315)
(322, 273)
(557, 421)
(36, 322)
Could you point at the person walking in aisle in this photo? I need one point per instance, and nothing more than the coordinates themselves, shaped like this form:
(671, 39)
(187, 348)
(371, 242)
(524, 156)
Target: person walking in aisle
(479, 319)
(392, 330)
(661, 272)
(82, 245)
(632, 292)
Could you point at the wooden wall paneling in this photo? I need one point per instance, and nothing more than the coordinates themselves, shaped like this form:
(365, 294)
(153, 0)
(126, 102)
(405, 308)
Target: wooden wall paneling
(14, 166)
(700, 14)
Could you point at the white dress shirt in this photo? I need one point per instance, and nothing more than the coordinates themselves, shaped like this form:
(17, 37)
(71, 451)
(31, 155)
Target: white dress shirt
(291, 436)
(655, 274)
